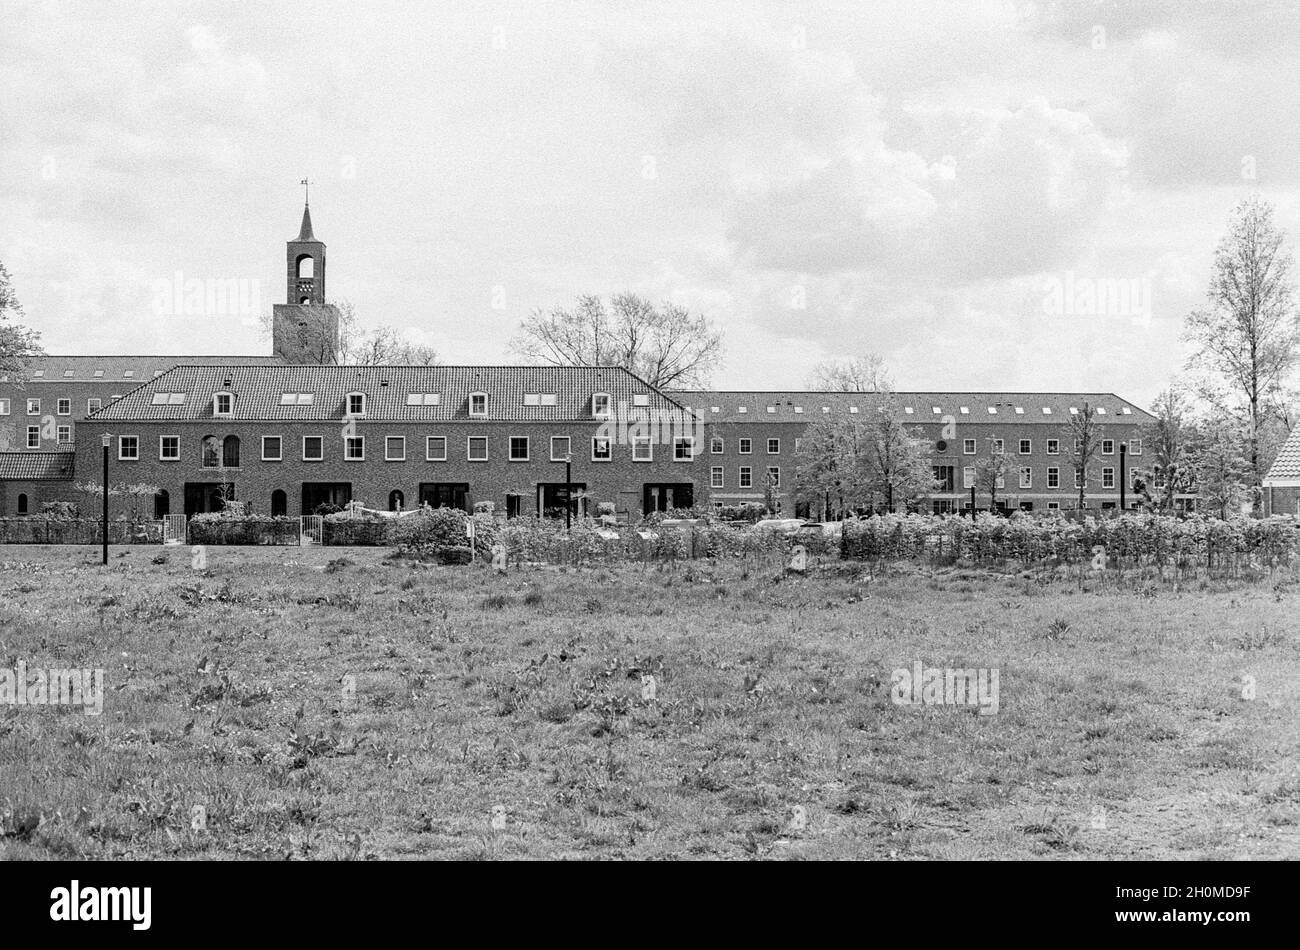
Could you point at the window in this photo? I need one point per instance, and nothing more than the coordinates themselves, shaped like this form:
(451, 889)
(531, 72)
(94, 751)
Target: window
(313, 448)
(1107, 478)
(65, 435)
(169, 448)
(717, 446)
(600, 451)
(93, 405)
(230, 451)
(435, 448)
(683, 448)
(128, 448)
(1053, 478)
(518, 448)
(297, 399)
(99, 373)
(424, 399)
(210, 450)
(33, 407)
(33, 437)
(968, 477)
(476, 448)
(774, 476)
(717, 477)
(1026, 477)
(38, 374)
(600, 405)
(1078, 478)
(395, 448)
(943, 477)
(354, 448)
(642, 449)
(773, 446)
(4, 407)
(561, 447)
(998, 447)
(478, 405)
(746, 477)
(222, 404)
(539, 399)
(1107, 446)
(967, 446)
(1134, 446)
(746, 446)
(993, 410)
(1053, 446)
(1053, 505)
(641, 399)
(965, 410)
(168, 399)
(63, 407)
(271, 448)
(1026, 447)
(128, 374)
(356, 404)
(771, 408)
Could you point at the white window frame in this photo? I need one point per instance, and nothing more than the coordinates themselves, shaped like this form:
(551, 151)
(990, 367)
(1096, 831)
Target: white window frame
(968, 476)
(772, 451)
(59, 409)
(121, 448)
(969, 446)
(487, 448)
(774, 475)
(1134, 446)
(1104, 443)
(59, 435)
(999, 447)
(1053, 446)
(98, 404)
(33, 407)
(318, 458)
(637, 442)
(1054, 477)
(596, 413)
(745, 477)
(1026, 477)
(4, 407)
(568, 447)
(273, 458)
(480, 414)
(510, 448)
(1107, 475)
(347, 448)
(718, 477)
(609, 449)
(428, 448)
(717, 445)
(347, 404)
(687, 441)
(1025, 446)
(162, 455)
(388, 456)
(33, 430)
(740, 446)
(216, 404)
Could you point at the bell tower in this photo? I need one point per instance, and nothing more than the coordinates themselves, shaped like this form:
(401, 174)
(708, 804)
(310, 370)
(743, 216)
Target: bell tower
(305, 329)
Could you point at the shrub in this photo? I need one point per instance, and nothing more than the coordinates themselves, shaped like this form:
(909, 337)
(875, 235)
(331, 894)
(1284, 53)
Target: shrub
(421, 534)
(60, 510)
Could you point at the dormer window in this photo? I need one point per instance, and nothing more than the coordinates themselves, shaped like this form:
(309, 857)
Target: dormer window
(297, 399)
(478, 405)
(356, 404)
(223, 404)
(640, 399)
(423, 399)
(168, 399)
(600, 403)
(539, 399)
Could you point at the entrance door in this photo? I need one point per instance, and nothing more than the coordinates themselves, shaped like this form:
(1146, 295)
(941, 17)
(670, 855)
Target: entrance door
(332, 494)
(204, 497)
(662, 497)
(552, 498)
(445, 495)
(513, 505)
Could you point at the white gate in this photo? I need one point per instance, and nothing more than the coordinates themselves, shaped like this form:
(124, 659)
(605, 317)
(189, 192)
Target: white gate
(312, 530)
(174, 529)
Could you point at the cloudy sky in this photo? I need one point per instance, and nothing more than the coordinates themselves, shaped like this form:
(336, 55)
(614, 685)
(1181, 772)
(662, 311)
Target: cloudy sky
(964, 187)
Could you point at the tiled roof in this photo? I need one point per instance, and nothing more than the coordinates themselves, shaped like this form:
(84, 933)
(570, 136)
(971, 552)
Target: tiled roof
(1287, 463)
(753, 405)
(258, 391)
(37, 466)
(82, 369)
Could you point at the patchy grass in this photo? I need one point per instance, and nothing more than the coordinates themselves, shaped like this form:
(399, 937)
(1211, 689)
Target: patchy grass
(317, 706)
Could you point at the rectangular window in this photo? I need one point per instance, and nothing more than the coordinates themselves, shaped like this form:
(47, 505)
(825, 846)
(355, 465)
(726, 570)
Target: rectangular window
(1107, 478)
(222, 404)
(773, 446)
(968, 477)
(600, 450)
(1053, 446)
(562, 448)
(1078, 478)
(65, 435)
(539, 399)
(313, 448)
(1134, 446)
(272, 449)
(717, 477)
(967, 446)
(1107, 446)
(297, 399)
(128, 448)
(63, 407)
(774, 476)
(356, 404)
(519, 448)
(435, 448)
(476, 448)
(600, 405)
(746, 477)
(33, 407)
(684, 448)
(478, 404)
(169, 448)
(93, 405)
(998, 447)
(1026, 477)
(4, 407)
(1053, 506)
(746, 446)
(395, 448)
(424, 399)
(354, 448)
(33, 437)
(1026, 447)
(642, 399)
(642, 449)
(1053, 478)
(717, 446)
(943, 477)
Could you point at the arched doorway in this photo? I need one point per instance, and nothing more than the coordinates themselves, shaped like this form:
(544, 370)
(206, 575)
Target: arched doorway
(230, 452)
(279, 504)
(162, 504)
(396, 502)
(22, 504)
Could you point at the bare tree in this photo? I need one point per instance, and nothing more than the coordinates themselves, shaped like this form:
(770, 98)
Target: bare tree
(18, 344)
(356, 345)
(1168, 443)
(1086, 434)
(667, 346)
(1249, 335)
(991, 473)
(861, 374)
(896, 463)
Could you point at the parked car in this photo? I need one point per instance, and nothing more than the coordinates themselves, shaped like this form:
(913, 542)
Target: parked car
(780, 525)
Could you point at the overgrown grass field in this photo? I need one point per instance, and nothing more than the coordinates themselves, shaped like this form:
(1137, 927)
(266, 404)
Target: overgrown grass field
(343, 703)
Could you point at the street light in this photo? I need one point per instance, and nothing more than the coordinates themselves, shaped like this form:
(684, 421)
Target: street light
(1123, 475)
(568, 492)
(107, 439)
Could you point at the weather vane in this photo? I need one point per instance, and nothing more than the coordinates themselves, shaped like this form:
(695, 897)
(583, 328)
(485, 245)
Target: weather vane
(306, 191)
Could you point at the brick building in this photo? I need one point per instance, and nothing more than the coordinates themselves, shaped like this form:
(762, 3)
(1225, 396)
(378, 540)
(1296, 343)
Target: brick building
(1282, 483)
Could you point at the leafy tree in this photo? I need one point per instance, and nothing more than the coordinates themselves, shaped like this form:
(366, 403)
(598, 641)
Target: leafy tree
(1168, 442)
(895, 463)
(18, 344)
(667, 346)
(990, 473)
(1085, 434)
(1222, 468)
(829, 463)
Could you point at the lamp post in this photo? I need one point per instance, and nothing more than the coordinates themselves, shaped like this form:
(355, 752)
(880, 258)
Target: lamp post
(1123, 475)
(107, 440)
(568, 492)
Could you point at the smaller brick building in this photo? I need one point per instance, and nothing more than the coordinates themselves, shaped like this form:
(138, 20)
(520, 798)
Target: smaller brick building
(1282, 483)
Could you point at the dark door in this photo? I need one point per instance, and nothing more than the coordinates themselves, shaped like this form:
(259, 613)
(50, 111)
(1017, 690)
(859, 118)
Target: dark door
(445, 495)
(513, 505)
(553, 496)
(331, 495)
(162, 504)
(204, 497)
(279, 504)
(662, 497)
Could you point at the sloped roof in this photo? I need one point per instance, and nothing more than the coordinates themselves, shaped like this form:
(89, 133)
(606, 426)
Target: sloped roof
(258, 390)
(803, 406)
(115, 368)
(304, 232)
(37, 466)
(1287, 463)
